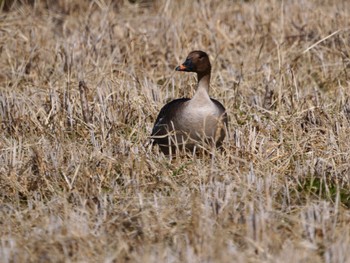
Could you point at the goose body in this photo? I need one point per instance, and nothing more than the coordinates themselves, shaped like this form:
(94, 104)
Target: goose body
(185, 123)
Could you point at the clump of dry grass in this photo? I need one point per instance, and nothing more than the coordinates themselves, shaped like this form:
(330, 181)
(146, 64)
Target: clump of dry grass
(81, 84)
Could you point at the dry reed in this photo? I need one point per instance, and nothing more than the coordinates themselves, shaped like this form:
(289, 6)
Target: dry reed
(81, 83)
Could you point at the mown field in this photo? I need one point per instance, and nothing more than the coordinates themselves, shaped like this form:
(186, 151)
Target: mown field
(81, 83)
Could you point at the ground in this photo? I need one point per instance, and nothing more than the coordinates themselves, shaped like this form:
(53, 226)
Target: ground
(81, 84)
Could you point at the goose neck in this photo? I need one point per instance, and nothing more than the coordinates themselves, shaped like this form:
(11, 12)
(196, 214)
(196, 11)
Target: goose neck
(203, 81)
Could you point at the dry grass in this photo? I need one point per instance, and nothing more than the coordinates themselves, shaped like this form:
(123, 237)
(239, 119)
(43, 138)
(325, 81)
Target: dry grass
(79, 183)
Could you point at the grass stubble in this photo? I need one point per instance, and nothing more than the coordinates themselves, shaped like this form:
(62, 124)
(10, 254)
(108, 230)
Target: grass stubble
(81, 85)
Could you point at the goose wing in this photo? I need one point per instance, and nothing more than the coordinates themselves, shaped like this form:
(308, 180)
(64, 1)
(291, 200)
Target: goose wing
(163, 122)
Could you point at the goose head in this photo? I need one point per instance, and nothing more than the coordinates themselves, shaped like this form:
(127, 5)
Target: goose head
(197, 61)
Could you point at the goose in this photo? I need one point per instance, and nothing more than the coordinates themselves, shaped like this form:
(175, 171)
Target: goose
(186, 123)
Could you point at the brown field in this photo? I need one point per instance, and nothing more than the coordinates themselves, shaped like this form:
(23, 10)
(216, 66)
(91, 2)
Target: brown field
(81, 183)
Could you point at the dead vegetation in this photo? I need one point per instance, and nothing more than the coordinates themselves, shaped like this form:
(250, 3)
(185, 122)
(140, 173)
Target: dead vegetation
(81, 84)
